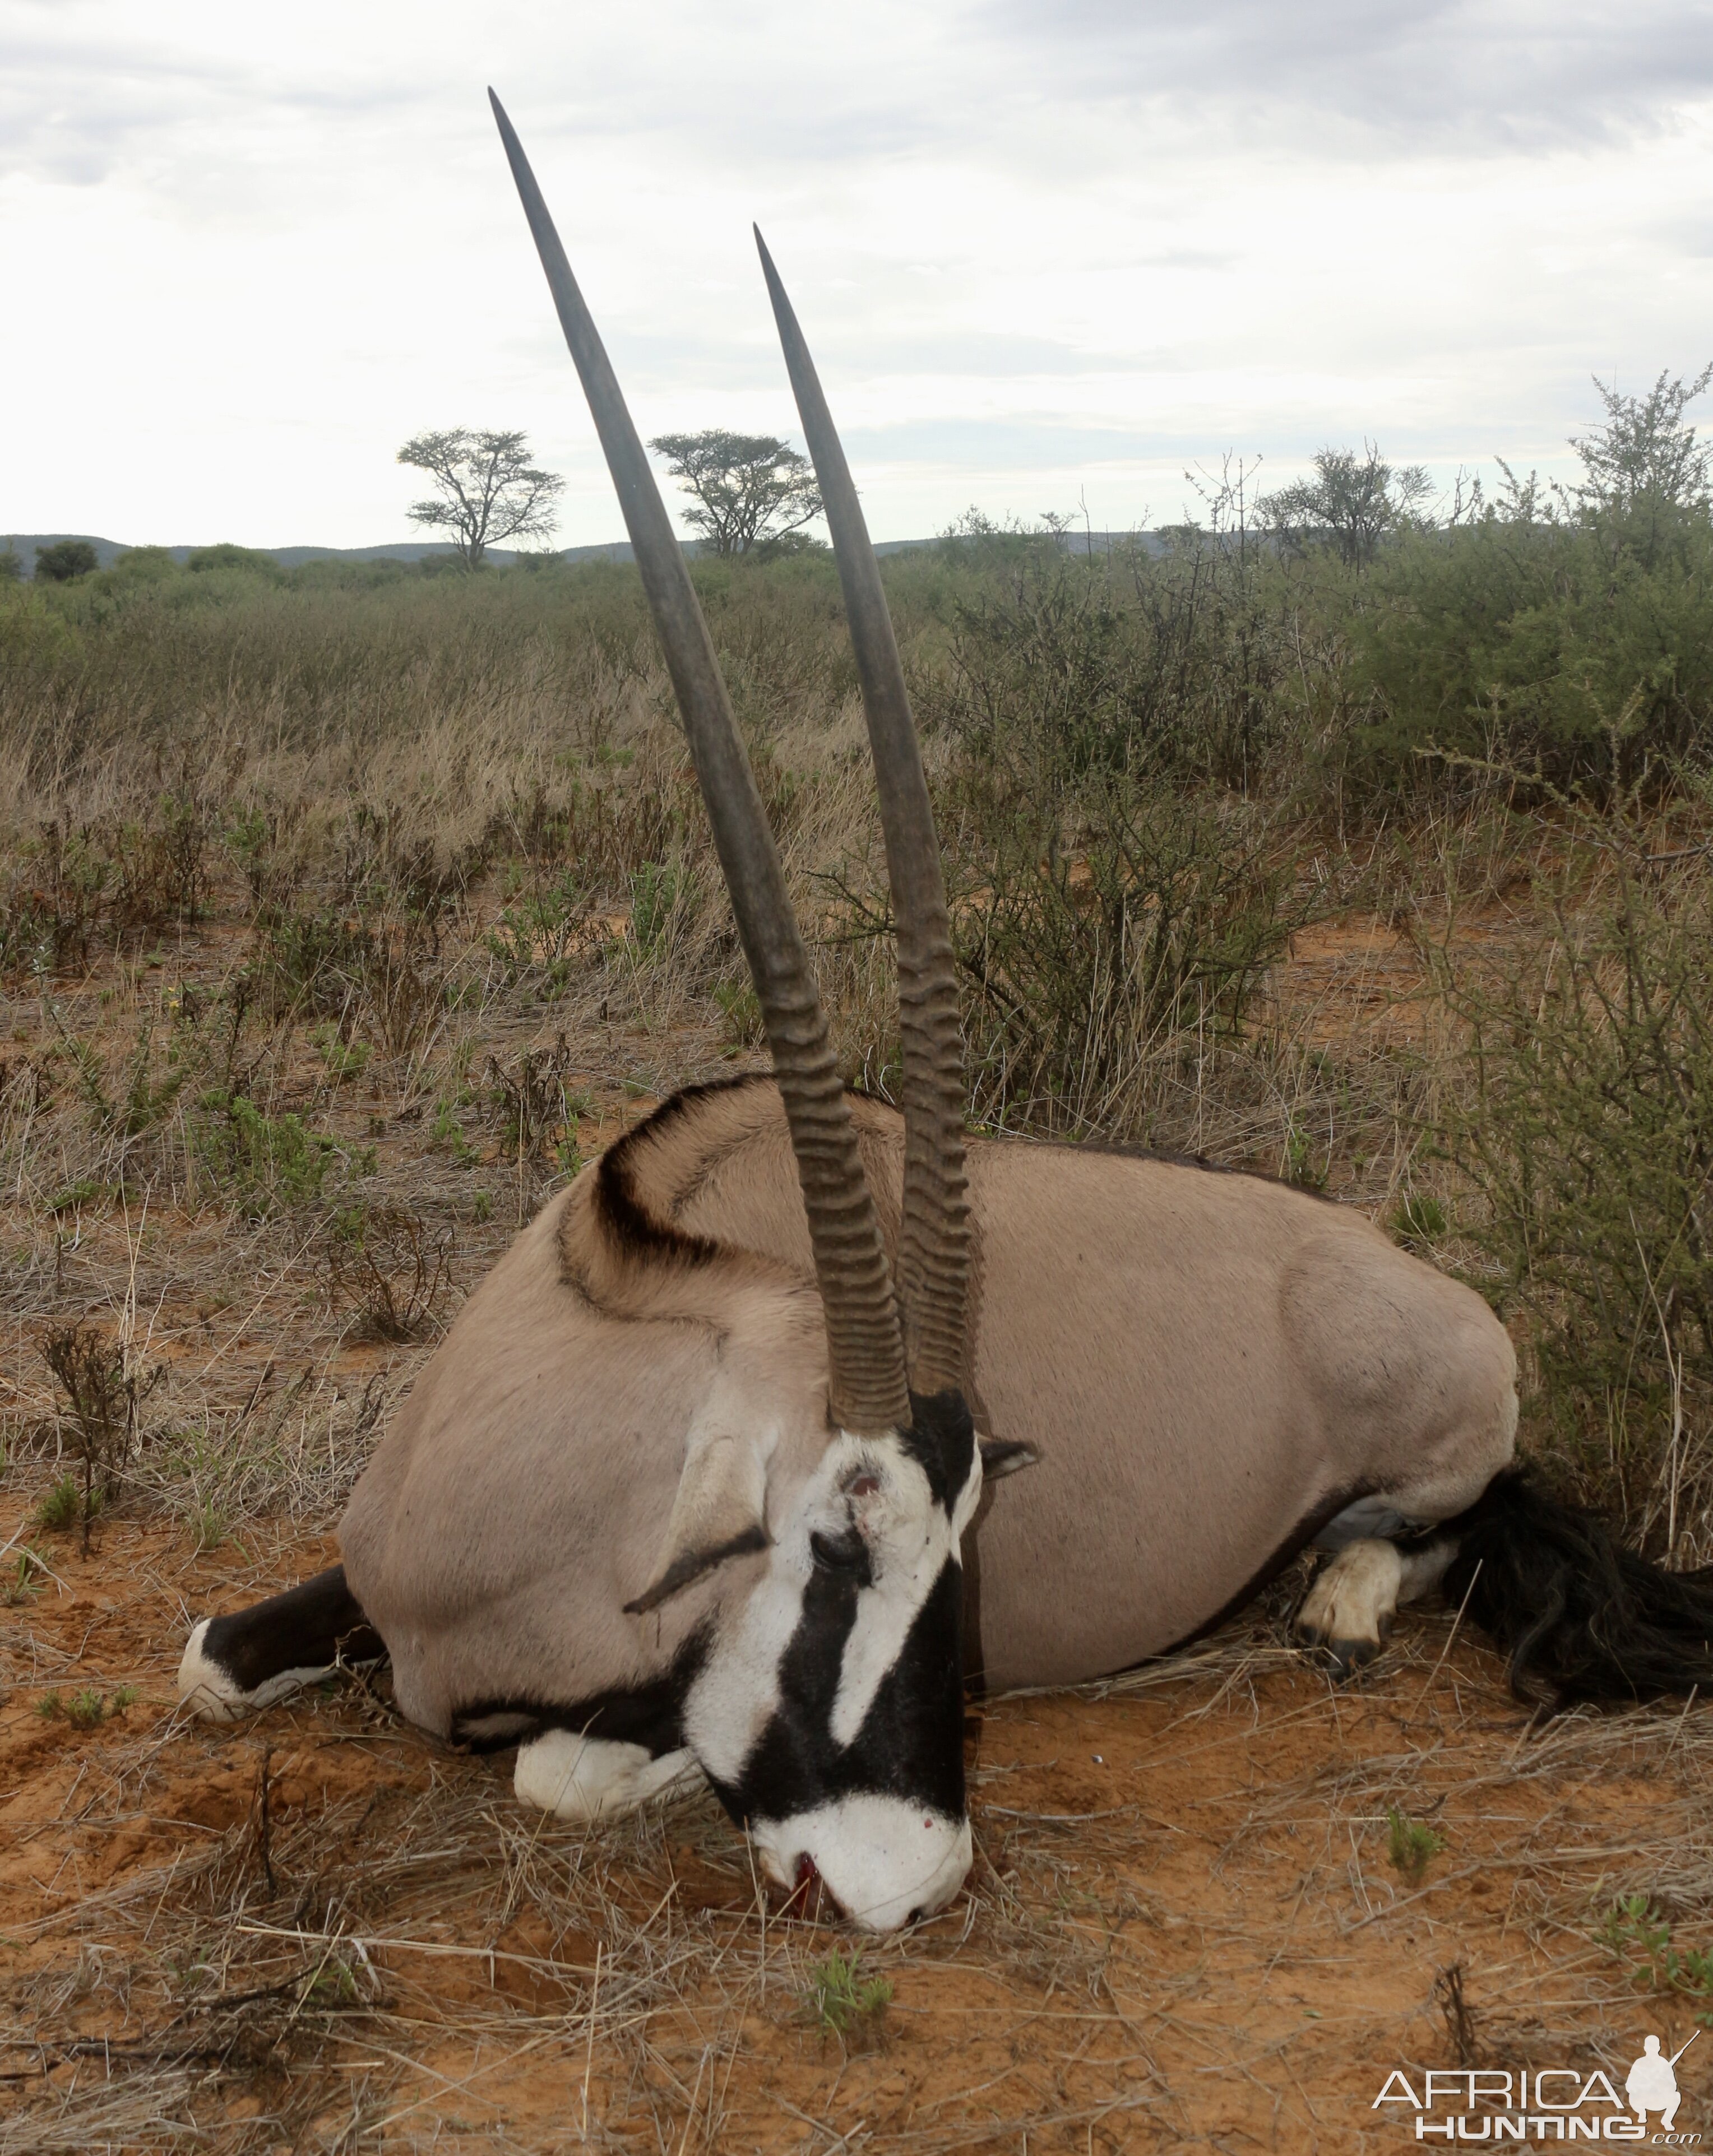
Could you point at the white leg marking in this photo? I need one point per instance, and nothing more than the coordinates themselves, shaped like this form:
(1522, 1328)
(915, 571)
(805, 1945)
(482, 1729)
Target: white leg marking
(212, 1696)
(1348, 1609)
(589, 1777)
(1424, 1569)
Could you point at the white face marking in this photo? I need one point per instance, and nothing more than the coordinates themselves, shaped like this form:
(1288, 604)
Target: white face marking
(908, 1539)
(589, 1777)
(884, 1861)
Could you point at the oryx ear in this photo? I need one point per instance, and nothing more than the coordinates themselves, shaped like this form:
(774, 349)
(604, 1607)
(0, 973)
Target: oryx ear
(720, 1512)
(1005, 1456)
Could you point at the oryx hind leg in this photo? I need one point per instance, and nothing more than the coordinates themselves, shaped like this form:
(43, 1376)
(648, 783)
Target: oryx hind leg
(1348, 1611)
(232, 1664)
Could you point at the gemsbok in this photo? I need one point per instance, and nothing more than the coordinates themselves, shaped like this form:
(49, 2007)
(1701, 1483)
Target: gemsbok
(690, 1484)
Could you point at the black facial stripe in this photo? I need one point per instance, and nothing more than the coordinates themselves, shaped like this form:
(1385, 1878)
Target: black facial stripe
(941, 1440)
(846, 1553)
(911, 1741)
(651, 1714)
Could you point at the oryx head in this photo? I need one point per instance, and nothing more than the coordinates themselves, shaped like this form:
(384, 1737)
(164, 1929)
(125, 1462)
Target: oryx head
(828, 1710)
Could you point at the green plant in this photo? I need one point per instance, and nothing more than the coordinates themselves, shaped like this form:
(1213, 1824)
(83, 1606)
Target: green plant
(741, 1008)
(105, 1390)
(1411, 1845)
(142, 1100)
(333, 1983)
(447, 1132)
(85, 1191)
(1639, 1932)
(86, 1709)
(59, 1509)
(1305, 1164)
(66, 559)
(543, 929)
(344, 1058)
(208, 1527)
(839, 2000)
(1089, 970)
(267, 1163)
(1420, 1221)
(21, 1584)
(660, 894)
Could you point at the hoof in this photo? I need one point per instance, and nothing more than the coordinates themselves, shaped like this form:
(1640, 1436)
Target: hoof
(1347, 1612)
(1344, 1653)
(1347, 1656)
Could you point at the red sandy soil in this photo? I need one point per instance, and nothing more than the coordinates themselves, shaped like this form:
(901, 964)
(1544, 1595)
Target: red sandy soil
(1183, 1929)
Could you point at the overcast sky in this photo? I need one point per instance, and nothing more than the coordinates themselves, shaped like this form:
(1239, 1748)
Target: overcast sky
(1043, 253)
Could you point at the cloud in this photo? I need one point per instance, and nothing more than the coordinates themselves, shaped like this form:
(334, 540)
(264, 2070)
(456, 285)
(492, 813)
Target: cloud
(1029, 244)
(1472, 77)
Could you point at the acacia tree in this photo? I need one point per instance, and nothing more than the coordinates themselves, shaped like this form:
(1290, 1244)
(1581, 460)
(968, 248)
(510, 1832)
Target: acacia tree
(1354, 501)
(488, 491)
(748, 488)
(1649, 476)
(66, 558)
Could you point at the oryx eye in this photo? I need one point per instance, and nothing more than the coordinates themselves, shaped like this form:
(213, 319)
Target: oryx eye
(846, 1553)
(865, 1485)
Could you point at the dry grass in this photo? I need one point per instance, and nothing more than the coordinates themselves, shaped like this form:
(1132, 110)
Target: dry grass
(318, 982)
(323, 1932)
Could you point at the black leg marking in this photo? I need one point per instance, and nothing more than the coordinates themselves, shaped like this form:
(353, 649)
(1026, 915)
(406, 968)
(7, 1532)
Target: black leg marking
(257, 1655)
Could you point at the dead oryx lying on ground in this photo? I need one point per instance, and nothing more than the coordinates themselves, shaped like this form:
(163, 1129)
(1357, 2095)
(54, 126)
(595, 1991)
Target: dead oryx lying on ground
(690, 1485)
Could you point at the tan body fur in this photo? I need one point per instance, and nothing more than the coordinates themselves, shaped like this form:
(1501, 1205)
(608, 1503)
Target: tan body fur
(1208, 1365)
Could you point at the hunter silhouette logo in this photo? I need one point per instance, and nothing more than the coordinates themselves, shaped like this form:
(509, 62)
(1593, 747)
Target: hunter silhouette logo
(1651, 2084)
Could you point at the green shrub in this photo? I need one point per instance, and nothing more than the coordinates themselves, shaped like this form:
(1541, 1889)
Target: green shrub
(542, 929)
(226, 556)
(1088, 966)
(103, 1391)
(1113, 667)
(1587, 1131)
(66, 558)
(264, 1164)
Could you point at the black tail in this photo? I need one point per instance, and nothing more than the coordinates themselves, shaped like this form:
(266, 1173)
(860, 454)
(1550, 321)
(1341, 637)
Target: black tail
(1581, 1617)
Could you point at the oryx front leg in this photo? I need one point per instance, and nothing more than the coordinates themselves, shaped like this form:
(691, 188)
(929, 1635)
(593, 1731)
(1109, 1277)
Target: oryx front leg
(1348, 1609)
(591, 1777)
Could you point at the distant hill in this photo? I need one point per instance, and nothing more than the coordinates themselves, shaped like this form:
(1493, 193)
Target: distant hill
(107, 551)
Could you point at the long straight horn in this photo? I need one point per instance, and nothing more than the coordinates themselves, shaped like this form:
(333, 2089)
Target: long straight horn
(868, 1389)
(934, 1248)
